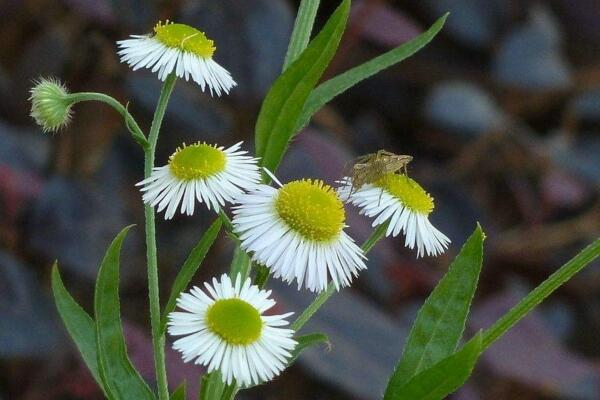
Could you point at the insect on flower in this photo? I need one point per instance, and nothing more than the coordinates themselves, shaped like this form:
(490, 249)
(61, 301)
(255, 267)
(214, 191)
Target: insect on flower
(371, 167)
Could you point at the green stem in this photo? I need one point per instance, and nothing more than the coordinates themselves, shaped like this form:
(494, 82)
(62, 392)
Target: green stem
(130, 122)
(554, 281)
(307, 314)
(158, 337)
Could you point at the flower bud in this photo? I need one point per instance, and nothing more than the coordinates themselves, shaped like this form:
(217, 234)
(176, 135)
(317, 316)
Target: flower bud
(50, 105)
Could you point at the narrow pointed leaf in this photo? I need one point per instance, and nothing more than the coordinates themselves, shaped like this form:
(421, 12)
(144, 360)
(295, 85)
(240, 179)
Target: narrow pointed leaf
(325, 92)
(240, 263)
(439, 325)
(443, 378)
(302, 29)
(281, 108)
(79, 324)
(190, 267)
(306, 341)
(179, 393)
(120, 378)
(212, 386)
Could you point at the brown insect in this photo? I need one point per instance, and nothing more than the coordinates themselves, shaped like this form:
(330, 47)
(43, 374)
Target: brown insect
(370, 167)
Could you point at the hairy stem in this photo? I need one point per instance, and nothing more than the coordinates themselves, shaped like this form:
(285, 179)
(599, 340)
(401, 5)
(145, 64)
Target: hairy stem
(158, 337)
(130, 122)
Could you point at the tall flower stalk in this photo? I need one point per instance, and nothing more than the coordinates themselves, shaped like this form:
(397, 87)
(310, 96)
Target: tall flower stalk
(158, 337)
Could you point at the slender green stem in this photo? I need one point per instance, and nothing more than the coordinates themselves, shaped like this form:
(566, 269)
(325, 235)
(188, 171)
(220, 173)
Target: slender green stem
(158, 337)
(307, 314)
(130, 122)
(302, 30)
(554, 281)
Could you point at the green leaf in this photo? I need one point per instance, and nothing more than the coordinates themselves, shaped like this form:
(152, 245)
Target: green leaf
(189, 268)
(180, 392)
(302, 29)
(305, 341)
(584, 258)
(120, 379)
(79, 324)
(442, 378)
(440, 323)
(282, 106)
(212, 386)
(325, 92)
(240, 263)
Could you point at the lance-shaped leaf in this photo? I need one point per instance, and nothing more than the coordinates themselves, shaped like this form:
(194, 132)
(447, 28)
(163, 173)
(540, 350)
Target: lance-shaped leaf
(282, 106)
(306, 341)
(179, 393)
(211, 386)
(439, 325)
(79, 324)
(307, 11)
(190, 266)
(443, 378)
(121, 380)
(325, 92)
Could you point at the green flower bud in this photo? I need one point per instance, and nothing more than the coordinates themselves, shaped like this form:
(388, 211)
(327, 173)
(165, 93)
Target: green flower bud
(50, 105)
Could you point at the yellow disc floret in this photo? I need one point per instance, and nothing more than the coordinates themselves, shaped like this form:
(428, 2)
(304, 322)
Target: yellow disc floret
(235, 321)
(409, 192)
(184, 37)
(312, 209)
(197, 161)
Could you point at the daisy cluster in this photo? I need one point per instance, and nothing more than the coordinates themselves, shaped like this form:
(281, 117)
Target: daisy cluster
(296, 229)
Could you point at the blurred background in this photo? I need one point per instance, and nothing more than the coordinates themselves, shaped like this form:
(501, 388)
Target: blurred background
(501, 112)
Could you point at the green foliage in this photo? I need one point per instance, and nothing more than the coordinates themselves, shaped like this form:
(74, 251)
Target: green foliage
(545, 289)
(443, 378)
(283, 104)
(240, 264)
(119, 377)
(439, 325)
(325, 92)
(180, 392)
(302, 30)
(305, 341)
(212, 386)
(189, 268)
(79, 324)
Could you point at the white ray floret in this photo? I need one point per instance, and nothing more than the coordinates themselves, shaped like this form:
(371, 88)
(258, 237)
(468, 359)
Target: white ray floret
(405, 204)
(200, 172)
(224, 328)
(297, 231)
(179, 49)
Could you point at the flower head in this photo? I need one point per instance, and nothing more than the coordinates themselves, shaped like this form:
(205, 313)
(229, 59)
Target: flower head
(405, 204)
(177, 48)
(50, 106)
(206, 173)
(224, 328)
(298, 232)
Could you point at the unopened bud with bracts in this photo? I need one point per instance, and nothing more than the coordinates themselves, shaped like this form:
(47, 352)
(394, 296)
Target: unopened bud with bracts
(50, 104)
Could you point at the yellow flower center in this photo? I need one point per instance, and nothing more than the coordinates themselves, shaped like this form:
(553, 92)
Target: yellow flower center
(185, 38)
(312, 209)
(197, 161)
(409, 192)
(235, 321)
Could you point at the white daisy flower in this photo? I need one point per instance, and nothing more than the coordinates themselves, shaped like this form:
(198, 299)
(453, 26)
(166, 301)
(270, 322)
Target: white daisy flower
(177, 48)
(298, 232)
(405, 204)
(224, 329)
(207, 173)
